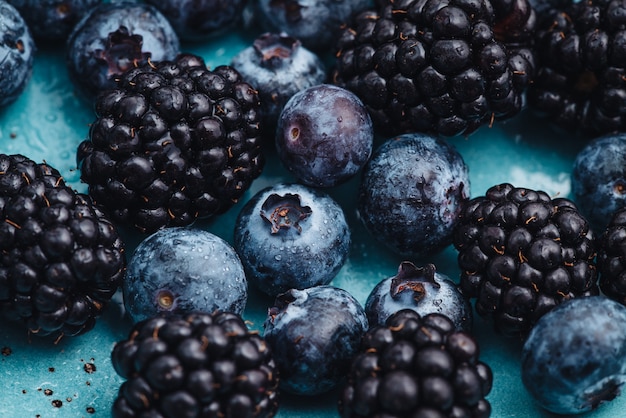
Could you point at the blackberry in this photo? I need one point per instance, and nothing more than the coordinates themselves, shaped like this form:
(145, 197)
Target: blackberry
(521, 253)
(581, 53)
(436, 66)
(173, 143)
(417, 366)
(199, 364)
(612, 257)
(61, 258)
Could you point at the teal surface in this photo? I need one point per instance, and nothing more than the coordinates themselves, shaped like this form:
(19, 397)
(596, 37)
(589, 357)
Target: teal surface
(75, 378)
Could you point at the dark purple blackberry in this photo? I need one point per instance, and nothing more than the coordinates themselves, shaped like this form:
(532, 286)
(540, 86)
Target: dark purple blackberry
(521, 253)
(173, 143)
(581, 54)
(417, 366)
(612, 257)
(437, 66)
(61, 258)
(197, 365)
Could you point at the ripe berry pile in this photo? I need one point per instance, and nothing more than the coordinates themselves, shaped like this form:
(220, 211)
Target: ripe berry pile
(181, 136)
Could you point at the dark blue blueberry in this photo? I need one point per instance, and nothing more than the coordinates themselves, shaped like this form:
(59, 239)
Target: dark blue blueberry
(195, 20)
(421, 289)
(17, 49)
(599, 179)
(412, 192)
(112, 39)
(181, 270)
(53, 20)
(315, 22)
(278, 66)
(314, 334)
(324, 135)
(291, 236)
(575, 356)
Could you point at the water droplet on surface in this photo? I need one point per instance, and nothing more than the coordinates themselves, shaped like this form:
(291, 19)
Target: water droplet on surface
(278, 257)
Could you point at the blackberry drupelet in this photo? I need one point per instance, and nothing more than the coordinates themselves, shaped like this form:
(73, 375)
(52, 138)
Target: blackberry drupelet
(612, 257)
(581, 54)
(173, 143)
(417, 366)
(521, 253)
(62, 259)
(200, 364)
(435, 66)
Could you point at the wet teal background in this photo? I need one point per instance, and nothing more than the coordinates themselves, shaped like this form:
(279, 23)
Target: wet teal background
(48, 122)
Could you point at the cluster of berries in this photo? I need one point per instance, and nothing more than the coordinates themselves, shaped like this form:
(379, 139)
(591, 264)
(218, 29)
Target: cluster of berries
(174, 142)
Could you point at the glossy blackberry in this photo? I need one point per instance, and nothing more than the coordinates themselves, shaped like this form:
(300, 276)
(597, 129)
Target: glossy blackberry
(62, 259)
(53, 20)
(431, 66)
(196, 365)
(17, 50)
(521, 253)
(612, 257)
(417, 366)
(173, 143)
(581, 52)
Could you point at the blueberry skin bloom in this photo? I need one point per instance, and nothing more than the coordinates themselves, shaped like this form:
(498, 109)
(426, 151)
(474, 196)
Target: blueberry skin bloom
(53, 20)
(278, 66)
(196, 20)
(599, 179)
(181, 270)
(421, 289)
(412, 192)
(315, 22)
(575, 356)
(17, 50)
(313, 334)
(291, 236)
(324, 135)
(113, 38)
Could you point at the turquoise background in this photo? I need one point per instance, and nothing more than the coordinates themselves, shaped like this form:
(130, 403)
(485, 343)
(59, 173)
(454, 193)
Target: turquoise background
(48, 122)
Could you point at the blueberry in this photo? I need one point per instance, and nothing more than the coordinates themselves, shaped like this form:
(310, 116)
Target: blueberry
(278, 66)
(315, 22)
(53, 20)
(17, 50)
(196, 20)
(421, 289)
(113, 38)
(180, 270)
(575, 356)
(291, 236)
(599, 179)
(314, 334)
(324, 135)
(412, 192)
